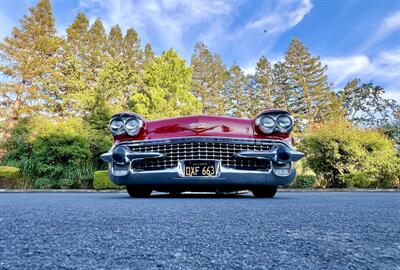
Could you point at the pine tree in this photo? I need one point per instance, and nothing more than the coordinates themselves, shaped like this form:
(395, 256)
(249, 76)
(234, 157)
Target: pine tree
(282, 93)
(77, 74)
(237, 105)
(263, 87)
(98, 44)
(254, 97)
(313, 99)
(166, 89)
(148, 56)
(208, 79)
(133, 55)
(133, 58)
(29, 57)
(77, 36)
(115, 42)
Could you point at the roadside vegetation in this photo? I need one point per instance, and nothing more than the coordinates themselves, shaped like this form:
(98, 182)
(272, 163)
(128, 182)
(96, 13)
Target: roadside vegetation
(57, 94)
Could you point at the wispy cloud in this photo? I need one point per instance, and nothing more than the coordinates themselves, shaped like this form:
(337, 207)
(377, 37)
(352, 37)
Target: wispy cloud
(167, 22)
(283, 16)
(179, 24)
(388, 26)
(383, 69)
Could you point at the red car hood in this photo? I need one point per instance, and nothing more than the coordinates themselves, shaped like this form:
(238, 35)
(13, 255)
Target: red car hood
(200, 125)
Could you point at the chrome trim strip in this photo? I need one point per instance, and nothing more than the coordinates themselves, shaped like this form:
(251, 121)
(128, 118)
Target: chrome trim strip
(204, 139)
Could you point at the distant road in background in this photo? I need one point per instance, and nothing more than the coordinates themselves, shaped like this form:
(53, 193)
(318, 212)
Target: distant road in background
(349, 230)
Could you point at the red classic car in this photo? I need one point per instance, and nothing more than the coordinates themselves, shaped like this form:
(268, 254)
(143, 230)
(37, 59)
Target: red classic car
(202, 153)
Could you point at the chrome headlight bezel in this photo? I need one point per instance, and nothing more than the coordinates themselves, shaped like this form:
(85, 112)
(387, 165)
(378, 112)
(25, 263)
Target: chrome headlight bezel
(130, 131)
(266, 129)
(114, 128)
(121, 129)
(283, 128)
(276, 127)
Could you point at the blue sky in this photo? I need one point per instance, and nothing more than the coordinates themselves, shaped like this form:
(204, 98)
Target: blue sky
(355, 38)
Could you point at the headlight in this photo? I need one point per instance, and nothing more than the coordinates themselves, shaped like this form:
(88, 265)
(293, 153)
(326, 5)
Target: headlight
(267, 124)
(285, 123)
(116, 126)
(132, 126)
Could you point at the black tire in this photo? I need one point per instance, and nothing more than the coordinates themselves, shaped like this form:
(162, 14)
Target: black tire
(264, 191)
(138, 191)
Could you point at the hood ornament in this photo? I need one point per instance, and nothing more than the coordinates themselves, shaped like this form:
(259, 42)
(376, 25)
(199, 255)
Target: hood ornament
(200, 127)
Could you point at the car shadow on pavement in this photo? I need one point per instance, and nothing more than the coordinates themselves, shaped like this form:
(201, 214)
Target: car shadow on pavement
(208, 195)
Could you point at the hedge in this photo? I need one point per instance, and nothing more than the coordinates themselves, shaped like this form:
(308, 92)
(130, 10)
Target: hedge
(56, 154)
(304, 181)
(102, 181)
(9, 176)
(348, 157)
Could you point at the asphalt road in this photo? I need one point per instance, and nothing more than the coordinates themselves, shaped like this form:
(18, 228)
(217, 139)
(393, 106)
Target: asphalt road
(112, 231)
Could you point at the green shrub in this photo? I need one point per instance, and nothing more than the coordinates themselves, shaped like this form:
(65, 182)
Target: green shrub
(9, 176)
(366, 179)
(304, 181)
(102, 181)
(56, 155)
(345, 156)
(45, 183)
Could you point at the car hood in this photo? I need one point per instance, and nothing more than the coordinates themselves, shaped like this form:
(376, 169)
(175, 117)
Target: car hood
(200, 125)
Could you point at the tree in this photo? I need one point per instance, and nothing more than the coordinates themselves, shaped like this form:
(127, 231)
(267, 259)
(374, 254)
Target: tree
(263, 93)
(148, 55)
(365, 104)
(29, 59)
(208, 79)
(115, 42)
(77, 36)
(133, 59)
(237, 103)
(98, 44)
(166, 89)
(282, 92)
(312, 96)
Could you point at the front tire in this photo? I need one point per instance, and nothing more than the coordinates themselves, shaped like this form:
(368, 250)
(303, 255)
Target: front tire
(264, 191)
(138, 191)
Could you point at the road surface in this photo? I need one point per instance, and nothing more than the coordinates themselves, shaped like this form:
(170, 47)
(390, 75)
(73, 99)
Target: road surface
(314, 230)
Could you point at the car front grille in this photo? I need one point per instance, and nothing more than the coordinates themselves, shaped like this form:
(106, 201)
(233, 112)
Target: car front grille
(223, 151)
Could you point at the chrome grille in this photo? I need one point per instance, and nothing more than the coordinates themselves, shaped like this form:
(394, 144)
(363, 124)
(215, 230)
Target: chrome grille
(201, 150)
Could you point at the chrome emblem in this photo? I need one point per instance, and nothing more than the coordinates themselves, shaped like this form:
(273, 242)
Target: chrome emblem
(200, 125)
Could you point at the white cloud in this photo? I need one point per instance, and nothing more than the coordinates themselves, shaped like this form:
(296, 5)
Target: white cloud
(164, 20)
(388, 26)
(343, 68)
(383, 69)
(179, 24)
(284, 15)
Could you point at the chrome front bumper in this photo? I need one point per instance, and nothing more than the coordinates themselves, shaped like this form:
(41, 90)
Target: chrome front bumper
(121, 157)
(226, 176)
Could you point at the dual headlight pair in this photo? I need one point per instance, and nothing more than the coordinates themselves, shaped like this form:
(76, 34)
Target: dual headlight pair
(120, 126)
(275, 123)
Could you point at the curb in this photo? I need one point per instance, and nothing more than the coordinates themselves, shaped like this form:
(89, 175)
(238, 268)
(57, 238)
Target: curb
(60, 190)
(123, 190)
(338, 190)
